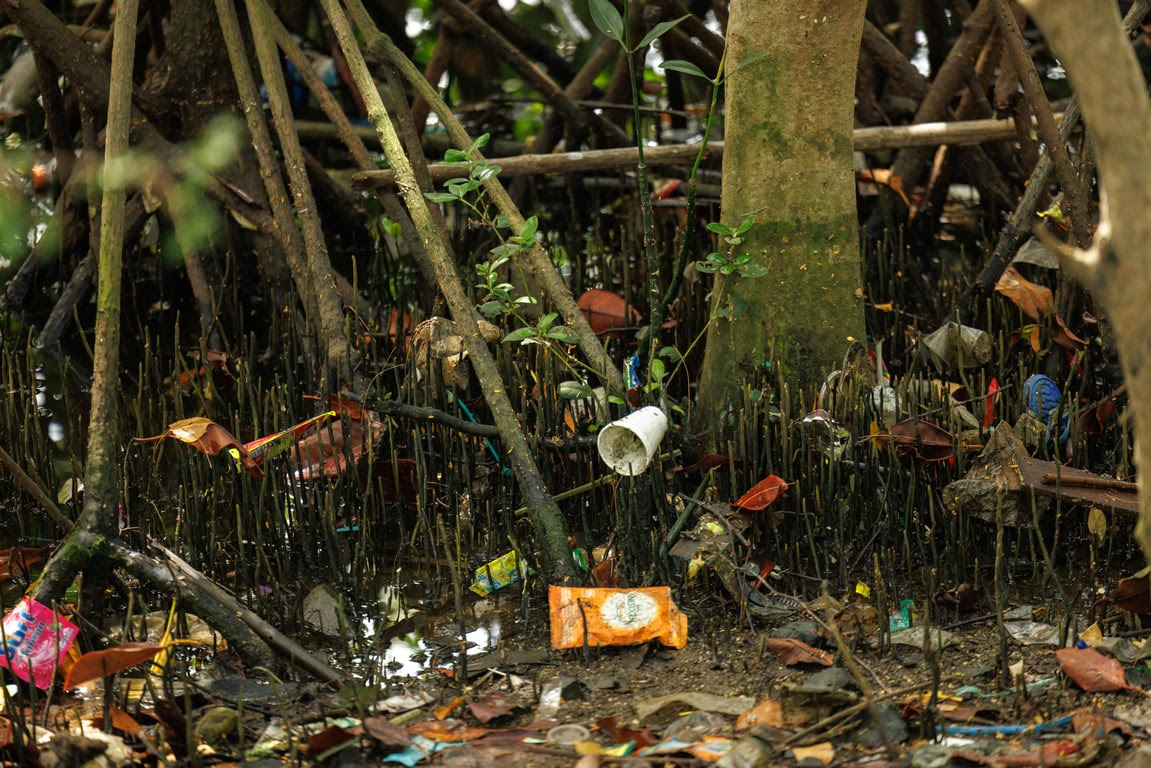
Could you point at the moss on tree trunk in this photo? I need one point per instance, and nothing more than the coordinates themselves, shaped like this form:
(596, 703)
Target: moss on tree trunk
(788, 164)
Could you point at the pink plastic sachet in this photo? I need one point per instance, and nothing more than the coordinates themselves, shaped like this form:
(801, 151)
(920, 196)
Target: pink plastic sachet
(36, 640)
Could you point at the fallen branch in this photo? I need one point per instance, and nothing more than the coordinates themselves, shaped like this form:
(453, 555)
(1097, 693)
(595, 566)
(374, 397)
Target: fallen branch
(187, 577)
(33, 489)
(1051, 478)
(957, 133)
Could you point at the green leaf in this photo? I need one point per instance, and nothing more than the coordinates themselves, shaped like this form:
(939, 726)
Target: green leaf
(754, 57)
(528, 233)
(491, 309)
(456, 156)
(686, 67)
(440, 197)
(706, 267)
(657, 370)
(520, 334)
(745, 225)
(659, 30)
(607, 19)
(545, 322)
(461, 187)
(564, 334)
(389, 227)
(719, 229)
(574, 390)
(478, 144)
(486, 172)
(670, 353)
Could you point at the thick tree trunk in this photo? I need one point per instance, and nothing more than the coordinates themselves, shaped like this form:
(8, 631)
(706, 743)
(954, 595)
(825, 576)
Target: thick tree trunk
(788, 163)
(1101, 65)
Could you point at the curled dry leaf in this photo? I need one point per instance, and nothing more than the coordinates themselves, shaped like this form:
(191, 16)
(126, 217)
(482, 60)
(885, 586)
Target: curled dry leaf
(97, 664)
(1132, 594)
(926, 441)
(607, 312)
(1033, 300)
(763, 494)
(494, 704)
(1092, 671)
(209, 438)
(791, 652)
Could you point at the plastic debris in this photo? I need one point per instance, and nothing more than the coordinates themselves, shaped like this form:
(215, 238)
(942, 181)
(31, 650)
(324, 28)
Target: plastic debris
(36, 640)
(1042, 398)
(496, 574)
(597, 617)
(958, 346)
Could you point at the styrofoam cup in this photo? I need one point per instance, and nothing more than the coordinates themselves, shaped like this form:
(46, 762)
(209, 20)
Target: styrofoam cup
(629, 444)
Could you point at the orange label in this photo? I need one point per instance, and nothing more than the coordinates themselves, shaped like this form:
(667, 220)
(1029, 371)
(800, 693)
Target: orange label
(599, 616)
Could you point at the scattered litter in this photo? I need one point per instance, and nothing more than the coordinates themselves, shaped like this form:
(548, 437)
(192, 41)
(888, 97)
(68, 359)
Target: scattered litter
(324, 611)
(568, 734)
(939, 638)
(1032, 632)
(599, 616)
(708, 702)
(498, 573)
(36, 640)
(954, 346)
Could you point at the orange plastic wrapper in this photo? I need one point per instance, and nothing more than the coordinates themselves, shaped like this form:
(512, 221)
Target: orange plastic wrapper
(604, 616)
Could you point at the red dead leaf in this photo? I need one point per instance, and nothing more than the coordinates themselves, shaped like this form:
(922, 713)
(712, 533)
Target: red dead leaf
(1092, 671)
(1093, 421)
(1063, 336)
(392, 737)
(97, 664)
(791, 652)
(209, 438)
(607, 312)
(605, 573)
(1133, 593)
(495, 704)
(992, 399)
(18, 561)
(922, 438)
(327, 739)
(621, 735)
(715, 461)
(963, 598)
(1033, 300)
(763, 494)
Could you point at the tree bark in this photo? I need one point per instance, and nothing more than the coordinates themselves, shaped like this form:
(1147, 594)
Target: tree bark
(101, 495)
(787, 162)
(545, 513)
(1102, 68)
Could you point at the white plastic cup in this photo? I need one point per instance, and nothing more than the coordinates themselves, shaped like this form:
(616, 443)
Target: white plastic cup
(629, 444)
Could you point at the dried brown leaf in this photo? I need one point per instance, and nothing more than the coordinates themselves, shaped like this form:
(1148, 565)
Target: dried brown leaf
(791, 652)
